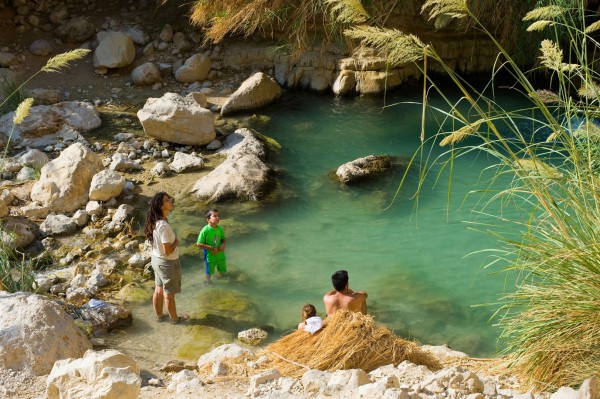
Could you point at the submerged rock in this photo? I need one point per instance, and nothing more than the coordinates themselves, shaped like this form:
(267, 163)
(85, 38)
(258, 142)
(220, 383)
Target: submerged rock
(364, 168)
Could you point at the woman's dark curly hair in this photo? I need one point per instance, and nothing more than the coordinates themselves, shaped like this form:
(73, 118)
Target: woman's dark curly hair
(154, 214)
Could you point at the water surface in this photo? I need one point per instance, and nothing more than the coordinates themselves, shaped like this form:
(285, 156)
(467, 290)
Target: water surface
(409, 255)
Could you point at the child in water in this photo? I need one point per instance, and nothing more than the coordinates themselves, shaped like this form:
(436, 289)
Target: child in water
(212, 240)
(308, 311)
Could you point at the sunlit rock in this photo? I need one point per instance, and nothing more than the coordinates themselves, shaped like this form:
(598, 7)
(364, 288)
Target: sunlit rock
(35, 332)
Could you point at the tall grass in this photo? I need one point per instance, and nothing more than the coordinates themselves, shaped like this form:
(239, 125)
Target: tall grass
(550, 321)
(16, 272)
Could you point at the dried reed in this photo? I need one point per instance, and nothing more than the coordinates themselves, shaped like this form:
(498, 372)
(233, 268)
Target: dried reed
(348, 340)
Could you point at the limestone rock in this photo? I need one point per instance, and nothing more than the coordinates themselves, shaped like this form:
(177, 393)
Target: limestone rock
(106, 374)
(105, 185)
(349, 378)
(161, 169)
(194, 69)
(115, 50)
(122, 162)
(55, 225)
(35, 332)
(123, 214)
(227, 351)
(315, 380)
(199, 97)
(243, 175)
(64, 183)
(372, 82)
(46, 96)
(76, 30)
(3, 210)
(41, 47)
(80, 218)
(177, 119)
(18, 232)
(47, 123)
(184, 162)
(264, 377)
(145, 74)
(8, 59)
(345, 83)
(185, 380)
(254, 92)
(166, 34)
(105, 315)
(34, 158)
(363, 168)
(252, 336)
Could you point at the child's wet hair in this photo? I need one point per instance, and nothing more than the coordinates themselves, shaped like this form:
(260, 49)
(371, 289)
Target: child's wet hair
(209, 213)
(308, 311)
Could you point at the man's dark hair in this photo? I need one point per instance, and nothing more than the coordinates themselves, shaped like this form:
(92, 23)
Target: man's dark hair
(339, 280)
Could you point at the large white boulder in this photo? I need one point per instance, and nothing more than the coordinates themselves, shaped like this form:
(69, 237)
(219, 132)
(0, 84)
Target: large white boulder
(105, 185)
(45, 124)
(115, 50)
(256, 91)
(243, 175)
(177, 119)
(65, 181)
(35, 332)
(106, 374)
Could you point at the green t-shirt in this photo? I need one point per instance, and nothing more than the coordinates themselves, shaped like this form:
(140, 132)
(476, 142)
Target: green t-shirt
(213, 237)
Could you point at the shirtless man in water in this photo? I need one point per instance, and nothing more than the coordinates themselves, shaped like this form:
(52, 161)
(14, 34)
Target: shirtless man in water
(343, 297)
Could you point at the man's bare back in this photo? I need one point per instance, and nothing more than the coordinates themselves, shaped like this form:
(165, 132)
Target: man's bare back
(346, 299)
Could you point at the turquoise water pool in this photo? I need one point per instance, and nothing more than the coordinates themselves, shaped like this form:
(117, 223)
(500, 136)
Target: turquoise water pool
(420, 260)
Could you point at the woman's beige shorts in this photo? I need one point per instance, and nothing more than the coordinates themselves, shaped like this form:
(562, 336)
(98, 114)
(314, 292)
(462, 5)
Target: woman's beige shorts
(167, 274)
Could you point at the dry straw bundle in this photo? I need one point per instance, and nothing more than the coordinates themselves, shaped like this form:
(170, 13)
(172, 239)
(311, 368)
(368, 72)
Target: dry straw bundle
(348, 340)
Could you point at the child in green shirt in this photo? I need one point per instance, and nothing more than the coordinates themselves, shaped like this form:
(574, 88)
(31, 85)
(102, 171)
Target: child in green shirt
(212, 240)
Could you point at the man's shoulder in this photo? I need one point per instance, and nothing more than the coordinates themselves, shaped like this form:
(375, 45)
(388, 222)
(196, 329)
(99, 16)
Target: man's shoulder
(330, 293)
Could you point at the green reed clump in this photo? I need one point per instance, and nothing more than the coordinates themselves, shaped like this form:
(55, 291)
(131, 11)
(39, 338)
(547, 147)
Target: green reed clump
(16, 272)
(11, 92)
(550, 321)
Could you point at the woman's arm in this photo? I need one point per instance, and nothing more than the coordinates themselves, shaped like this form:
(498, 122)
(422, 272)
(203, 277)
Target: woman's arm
(169, 248)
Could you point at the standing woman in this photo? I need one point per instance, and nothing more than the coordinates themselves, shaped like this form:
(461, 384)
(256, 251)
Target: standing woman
(165, 257)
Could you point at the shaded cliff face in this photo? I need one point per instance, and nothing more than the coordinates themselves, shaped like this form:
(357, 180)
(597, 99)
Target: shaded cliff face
(333, 68)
